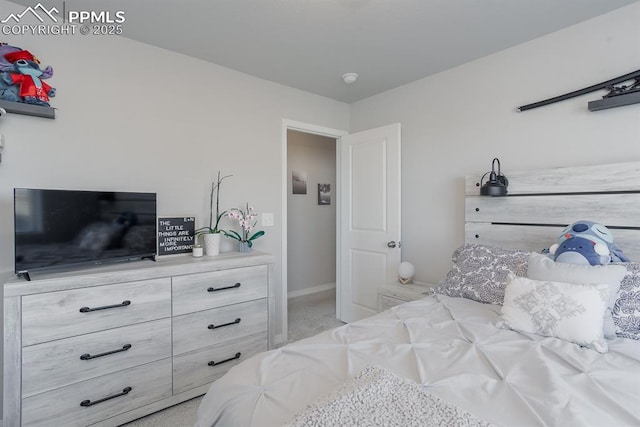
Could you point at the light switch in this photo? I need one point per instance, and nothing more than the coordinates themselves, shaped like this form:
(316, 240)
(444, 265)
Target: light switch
(267, 220)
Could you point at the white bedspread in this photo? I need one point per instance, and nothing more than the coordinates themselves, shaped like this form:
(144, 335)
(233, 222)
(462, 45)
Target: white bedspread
(454, 349)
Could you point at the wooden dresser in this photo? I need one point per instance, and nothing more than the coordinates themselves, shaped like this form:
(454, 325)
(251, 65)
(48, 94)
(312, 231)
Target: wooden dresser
(110, 344)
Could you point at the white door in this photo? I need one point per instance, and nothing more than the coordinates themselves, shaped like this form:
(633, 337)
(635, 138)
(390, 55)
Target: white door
(369, 218)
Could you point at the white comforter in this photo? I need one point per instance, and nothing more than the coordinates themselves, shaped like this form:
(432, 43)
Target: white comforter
(454, 349)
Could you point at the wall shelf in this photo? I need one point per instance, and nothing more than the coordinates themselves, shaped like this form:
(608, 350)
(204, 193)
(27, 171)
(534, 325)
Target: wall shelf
(28, 109)
(615, 101)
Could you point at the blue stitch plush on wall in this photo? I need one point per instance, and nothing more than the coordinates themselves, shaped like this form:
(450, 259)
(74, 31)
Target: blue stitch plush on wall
(8, 92)
(586, 242)
(21, 78)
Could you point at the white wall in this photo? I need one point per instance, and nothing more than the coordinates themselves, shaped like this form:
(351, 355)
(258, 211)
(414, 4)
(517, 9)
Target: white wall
(135, 117)
(455, 122)
(311, 234)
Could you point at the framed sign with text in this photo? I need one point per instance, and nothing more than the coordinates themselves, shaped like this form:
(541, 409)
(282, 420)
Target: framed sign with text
(176, 235)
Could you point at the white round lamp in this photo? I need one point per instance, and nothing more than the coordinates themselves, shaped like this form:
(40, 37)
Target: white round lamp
(405, 272)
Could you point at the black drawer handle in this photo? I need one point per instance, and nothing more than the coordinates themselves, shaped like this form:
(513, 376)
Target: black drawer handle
(235, 322)
(87, 309)
(237, 356)
(87, 402)
(87, 356)
(237, 285)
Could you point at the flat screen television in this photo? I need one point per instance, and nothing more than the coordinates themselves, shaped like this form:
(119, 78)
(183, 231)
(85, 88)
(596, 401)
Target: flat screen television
(62, 228)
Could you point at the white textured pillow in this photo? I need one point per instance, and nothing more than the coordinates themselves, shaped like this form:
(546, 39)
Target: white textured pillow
(541, 267)
(571, 312)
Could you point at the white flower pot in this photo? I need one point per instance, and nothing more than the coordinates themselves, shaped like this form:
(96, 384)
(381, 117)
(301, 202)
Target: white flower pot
(211, 244)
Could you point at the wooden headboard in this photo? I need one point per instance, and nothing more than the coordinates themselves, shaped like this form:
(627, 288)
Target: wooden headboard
(541, 202)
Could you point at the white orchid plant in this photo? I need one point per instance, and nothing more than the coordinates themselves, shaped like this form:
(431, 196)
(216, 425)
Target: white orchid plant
(214, 195)
(247, 220)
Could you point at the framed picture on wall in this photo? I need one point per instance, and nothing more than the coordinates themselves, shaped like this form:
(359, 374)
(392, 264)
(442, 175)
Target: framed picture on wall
(324, 194)
(299, 182)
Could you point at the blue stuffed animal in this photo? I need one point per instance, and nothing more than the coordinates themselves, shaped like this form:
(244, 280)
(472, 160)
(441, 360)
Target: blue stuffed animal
(8, 91)
(586, 242)
(24, 80)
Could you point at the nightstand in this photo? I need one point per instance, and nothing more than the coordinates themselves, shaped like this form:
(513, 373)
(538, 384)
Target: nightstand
(392, 294)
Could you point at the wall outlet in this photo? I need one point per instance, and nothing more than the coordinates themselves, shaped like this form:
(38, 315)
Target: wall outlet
(267, 220)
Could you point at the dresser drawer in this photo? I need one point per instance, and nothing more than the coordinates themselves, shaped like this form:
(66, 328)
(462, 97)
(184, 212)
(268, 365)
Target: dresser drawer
(59, 363)
(196, 292)
(211, 327)
(55, 315)
(206, 365)
(63, 406)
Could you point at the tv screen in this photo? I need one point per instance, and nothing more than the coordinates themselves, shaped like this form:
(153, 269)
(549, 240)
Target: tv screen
(58, 228)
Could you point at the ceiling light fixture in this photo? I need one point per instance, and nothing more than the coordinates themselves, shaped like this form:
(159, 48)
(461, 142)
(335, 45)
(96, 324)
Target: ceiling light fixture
(349, 78)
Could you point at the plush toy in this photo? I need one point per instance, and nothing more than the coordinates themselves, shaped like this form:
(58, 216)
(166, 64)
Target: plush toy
(24, 80)
(586, 242)
(8, 92)
(6, 65)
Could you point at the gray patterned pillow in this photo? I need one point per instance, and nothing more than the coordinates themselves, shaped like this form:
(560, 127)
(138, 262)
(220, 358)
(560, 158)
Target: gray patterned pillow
(626, 310)
(481, 273)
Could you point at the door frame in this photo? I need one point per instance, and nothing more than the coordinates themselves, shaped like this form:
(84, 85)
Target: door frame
(315, 130)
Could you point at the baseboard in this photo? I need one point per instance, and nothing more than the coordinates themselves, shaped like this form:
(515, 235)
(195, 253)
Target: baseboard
(309, 291)
(277, 340)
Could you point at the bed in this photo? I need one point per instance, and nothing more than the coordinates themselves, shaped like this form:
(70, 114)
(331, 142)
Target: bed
(465, 354)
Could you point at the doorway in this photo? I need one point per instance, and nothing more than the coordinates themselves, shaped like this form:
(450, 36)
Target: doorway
(311, 213)
(311, 234)
(368, 216)
(310, 223)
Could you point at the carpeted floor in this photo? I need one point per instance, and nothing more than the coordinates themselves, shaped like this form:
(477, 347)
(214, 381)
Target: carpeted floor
(182, 415)
(308, 315)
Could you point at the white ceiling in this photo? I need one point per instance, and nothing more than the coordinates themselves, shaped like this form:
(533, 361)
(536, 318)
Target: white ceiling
(309, 44)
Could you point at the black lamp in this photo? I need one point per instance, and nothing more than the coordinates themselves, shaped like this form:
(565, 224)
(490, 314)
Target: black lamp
(497, 183)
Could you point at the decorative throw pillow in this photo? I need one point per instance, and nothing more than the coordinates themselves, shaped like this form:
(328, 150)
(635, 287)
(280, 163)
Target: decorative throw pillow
(541, 267)
(568, 311)
(481, 273)
(626, 310)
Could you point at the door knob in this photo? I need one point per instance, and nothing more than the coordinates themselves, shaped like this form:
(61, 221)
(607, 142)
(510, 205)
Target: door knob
(391, 244)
